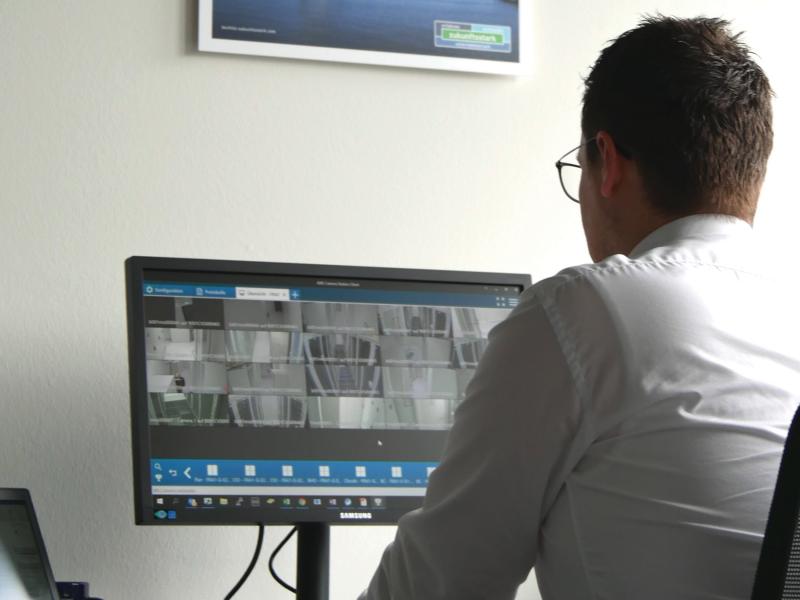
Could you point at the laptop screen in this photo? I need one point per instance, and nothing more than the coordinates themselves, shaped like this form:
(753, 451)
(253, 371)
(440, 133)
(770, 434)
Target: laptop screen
(24, 568)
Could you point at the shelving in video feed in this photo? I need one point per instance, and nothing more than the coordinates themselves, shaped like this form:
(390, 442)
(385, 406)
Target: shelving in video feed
(312, 365)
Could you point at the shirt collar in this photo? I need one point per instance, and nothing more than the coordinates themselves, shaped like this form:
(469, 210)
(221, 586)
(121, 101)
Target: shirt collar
(693, 227)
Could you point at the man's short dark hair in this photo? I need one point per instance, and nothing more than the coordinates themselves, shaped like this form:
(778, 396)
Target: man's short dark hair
(685, 100)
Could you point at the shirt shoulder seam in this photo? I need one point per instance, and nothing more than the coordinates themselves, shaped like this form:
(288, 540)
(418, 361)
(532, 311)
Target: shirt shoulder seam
(585, 272)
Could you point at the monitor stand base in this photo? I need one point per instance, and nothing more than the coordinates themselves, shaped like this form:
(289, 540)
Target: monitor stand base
(313, 560)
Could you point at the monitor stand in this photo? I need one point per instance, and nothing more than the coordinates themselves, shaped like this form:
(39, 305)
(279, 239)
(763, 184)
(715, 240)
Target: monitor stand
(313, 560)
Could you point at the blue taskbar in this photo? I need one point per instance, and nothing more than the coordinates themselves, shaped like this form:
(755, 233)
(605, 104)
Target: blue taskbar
(181, 485)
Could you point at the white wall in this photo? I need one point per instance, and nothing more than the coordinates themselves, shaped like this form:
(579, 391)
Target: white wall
(118, 138)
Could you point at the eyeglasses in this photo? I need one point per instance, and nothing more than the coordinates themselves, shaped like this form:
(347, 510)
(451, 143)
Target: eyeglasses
(569, 172)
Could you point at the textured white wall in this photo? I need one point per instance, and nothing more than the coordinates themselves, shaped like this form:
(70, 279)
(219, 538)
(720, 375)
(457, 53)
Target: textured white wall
(118, 138)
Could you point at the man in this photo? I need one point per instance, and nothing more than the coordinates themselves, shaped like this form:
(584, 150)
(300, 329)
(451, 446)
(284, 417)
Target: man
(624, 427)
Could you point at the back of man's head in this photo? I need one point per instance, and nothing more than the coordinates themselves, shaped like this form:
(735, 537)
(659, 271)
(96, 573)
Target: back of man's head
(685, 100)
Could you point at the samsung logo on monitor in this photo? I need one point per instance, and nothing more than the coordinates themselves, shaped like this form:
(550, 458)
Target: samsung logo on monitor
(355, 515)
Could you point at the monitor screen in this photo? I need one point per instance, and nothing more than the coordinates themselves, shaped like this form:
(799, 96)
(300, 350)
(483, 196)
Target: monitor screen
(280, 393)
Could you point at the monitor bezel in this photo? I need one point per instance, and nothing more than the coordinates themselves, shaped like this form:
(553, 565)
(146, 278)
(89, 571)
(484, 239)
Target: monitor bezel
(135, 266)
(23, 496)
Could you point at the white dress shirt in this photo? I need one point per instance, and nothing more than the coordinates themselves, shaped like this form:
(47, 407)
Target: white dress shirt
(622, 433)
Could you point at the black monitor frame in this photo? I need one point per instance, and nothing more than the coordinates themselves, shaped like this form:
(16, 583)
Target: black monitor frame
(136, 266)
(23, 496)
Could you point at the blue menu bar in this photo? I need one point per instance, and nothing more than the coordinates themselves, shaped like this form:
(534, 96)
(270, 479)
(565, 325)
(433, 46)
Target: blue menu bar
(346, 295)
(210, 472)
(193, 290)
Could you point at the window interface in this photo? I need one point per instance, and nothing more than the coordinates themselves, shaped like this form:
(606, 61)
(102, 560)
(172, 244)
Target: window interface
(328, 398)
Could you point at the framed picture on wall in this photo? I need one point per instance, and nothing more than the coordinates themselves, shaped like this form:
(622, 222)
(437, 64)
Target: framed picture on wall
(485, 36)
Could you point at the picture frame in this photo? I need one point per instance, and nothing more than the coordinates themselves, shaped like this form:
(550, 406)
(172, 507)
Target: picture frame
(481, 36)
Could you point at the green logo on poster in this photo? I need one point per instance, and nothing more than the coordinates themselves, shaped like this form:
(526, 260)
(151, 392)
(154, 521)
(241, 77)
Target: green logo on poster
(472, 36)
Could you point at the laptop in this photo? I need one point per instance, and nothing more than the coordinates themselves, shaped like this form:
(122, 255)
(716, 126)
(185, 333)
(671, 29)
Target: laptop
(25, 572)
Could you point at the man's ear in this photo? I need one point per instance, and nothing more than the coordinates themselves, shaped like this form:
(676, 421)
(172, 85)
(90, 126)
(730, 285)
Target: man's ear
(612, 165)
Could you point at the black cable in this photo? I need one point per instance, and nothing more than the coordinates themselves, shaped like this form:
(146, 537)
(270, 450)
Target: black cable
(252, 564)
(272, 558)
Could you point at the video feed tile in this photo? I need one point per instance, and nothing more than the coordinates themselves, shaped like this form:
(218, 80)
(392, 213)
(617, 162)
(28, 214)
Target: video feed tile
(174, 344)
(264, 346)
(160, 312)
(419, 382)
(476, 322)
(401, 350)
(341, 349)
(419, 414)
(267, 411)
(260, 315)
(199, 313)
(186, 377)
(190, 313)
(267, 379)
(344, 380)
(334, 317)
(188, 409)
(467, 352)
(427, 321)
(346, 413)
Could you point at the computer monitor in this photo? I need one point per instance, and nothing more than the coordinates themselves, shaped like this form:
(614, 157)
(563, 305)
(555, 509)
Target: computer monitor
(25, 571)
(284, 393)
